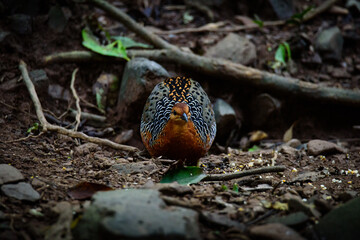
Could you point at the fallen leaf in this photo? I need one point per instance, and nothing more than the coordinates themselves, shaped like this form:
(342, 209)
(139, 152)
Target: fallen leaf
(85, 190)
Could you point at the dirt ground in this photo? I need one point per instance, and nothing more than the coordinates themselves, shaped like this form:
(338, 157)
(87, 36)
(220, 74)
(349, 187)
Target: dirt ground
(54, 163)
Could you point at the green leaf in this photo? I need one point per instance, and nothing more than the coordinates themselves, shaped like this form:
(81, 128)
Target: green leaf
(236, 187)
(280, 54)
(34, 127)
(300, 16)
(224, 188)
(129, 43)
(187, 17)
(254, 148)
(259, 22)
(114, 49)
(184, 175)
(288, 51)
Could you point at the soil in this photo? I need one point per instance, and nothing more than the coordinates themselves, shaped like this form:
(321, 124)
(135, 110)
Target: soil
(56, 163)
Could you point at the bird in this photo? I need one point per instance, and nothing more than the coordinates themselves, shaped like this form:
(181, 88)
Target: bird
(178, 121)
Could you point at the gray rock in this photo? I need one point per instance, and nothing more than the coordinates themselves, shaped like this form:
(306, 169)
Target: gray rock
(3, 35)
(57, 19)
(296, 205)
(274, 231)
(132, 168)
(284, 9)
(58, 92)
(9, 174)
(329, 43)
(221, 220)
(292, 219)
(225, 119)
(21, 191)
(21, 23)
(317, 147)
(341, 223)
(135, 214)
(307, 177)
(265, 109)
(139, 78)
(293, 143)
(235, 48)
(288, 150)
(40, 79)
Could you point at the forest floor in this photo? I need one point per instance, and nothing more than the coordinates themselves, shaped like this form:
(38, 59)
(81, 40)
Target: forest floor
(314, 184)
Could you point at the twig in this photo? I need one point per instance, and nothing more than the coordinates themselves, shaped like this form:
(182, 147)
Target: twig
(132, 25)
(225, 69)
(25, 138)
(320, 9)
(50, 127)
(230, 176)
(77, 100)
(88, 116)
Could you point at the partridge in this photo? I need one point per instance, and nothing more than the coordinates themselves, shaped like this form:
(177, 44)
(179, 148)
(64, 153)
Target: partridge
(178, 121)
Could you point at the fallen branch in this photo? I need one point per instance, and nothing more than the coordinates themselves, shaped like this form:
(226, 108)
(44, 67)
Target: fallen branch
(132, 25)
(231, 71)
(320, 9)
(230, 176)
(50, 127)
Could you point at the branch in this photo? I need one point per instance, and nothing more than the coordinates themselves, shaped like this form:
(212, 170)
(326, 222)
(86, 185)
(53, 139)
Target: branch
(230, 176)
(234, 72)
(50, 127)
(320, 9)
(132, 25)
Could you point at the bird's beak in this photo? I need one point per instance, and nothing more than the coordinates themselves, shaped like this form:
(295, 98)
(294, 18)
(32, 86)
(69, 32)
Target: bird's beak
(184, 117)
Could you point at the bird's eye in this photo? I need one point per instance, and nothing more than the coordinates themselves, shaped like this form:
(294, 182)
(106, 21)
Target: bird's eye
(174, 113)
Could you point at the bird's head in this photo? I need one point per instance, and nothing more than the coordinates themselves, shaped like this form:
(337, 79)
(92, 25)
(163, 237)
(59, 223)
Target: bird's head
(180, 113)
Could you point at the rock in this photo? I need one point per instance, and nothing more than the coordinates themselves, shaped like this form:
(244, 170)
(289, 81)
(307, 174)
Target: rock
(21, 191)
(40, 79)
(36, 183)
(341, 223)
(284, 9)
(3, 35)
(235, 48)
(329, 43)
(124, 136)
(135, 214)
(274, 231)
(221, 220)
(21, 23)
(139, 78)
(133, 168)
(292, 219)
(57, 19)
(317, 147)
(225, 119)
(173, 189)
(58, 92)
(9, 174)
(86, 148)
(106, 89)
(307, 177)
(265, 109)
(288, 150)
(296, 205)
(353, 6)
(293, 143)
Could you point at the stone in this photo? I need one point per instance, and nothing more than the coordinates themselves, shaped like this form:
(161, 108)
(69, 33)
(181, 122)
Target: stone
(284, 9)
(329, 43)
(135, 214)
(133, 168)
(106, 89)
(58, 92)
(221, 220)
(296, 205)
(274, 231)
(288, 150)
(9, 174)
(293, 143)
(173, 188)
(21, 191)
(235, 48)
(40, 79)
(225, 119)
(292, 219)
(341, 223)
(21, 23)
(57, 19)
(321, 147)
(61, 229)
(86, 148)
(307, 177)
(139, 78)
(265, 110)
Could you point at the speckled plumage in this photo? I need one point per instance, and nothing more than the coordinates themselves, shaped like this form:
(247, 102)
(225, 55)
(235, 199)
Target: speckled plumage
(166, 135)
